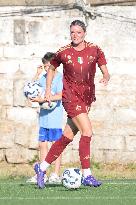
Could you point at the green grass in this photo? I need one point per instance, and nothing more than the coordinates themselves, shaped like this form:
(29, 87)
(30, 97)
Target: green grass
(112, 192)
(120, 190)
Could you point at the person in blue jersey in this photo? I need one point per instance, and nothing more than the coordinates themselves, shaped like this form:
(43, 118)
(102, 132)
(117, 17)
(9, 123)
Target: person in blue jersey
(50, 121)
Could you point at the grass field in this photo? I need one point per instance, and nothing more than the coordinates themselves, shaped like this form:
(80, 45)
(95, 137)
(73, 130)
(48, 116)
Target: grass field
(119, 190)
(112, 192)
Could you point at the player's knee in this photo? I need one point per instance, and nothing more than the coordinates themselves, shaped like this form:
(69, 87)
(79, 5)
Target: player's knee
(68, 134)
(87, 132)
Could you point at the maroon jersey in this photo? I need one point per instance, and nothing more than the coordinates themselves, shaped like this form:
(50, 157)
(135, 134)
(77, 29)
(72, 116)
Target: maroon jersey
(79, 69)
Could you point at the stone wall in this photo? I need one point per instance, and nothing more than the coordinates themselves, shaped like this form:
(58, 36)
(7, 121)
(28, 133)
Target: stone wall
(34, 2)
(26, 34)
(64, 2)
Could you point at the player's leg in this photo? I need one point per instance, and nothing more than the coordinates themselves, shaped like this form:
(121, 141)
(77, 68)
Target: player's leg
(54, 177)
(58, 147)
(55, 151)
(57, 165)
(43, 148)
(70, 131)
(83, 123)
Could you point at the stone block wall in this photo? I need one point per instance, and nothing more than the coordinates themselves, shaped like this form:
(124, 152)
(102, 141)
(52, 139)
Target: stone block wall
(24, 38)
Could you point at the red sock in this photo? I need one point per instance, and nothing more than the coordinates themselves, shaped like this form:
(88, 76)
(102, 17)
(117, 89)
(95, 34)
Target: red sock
(84, 151)
(57, 148)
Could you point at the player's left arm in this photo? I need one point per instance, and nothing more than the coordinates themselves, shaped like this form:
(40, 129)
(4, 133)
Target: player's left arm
(106, 75)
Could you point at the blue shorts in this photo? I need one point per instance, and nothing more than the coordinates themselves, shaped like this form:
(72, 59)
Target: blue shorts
(50, 135)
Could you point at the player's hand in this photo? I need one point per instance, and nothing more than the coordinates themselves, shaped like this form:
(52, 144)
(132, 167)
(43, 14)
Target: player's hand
(104, 81)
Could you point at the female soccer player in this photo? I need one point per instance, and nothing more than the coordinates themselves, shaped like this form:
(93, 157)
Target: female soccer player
(79, 60)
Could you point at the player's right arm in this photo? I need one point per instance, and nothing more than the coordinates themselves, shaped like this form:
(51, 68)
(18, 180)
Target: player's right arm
(50, 75)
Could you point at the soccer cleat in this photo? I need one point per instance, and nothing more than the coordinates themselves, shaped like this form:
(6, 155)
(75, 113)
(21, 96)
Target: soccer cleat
(40, 176)
(91, 181)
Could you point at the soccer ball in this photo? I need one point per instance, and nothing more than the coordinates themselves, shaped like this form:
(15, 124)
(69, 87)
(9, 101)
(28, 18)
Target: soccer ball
(48, 105)
(71, 178)
(32, 89)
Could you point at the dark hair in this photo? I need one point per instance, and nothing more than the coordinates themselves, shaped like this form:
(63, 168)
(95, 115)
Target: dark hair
(48, 57)
(79, 23)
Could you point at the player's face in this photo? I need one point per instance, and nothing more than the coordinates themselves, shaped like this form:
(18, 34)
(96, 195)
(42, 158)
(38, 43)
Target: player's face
(77, 34)
(46, 66)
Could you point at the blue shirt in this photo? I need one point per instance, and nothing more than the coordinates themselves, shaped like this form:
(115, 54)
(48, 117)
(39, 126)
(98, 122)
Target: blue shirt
(52, 118)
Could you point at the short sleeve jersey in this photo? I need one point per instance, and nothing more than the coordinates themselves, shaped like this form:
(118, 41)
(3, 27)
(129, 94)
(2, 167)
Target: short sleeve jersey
(79, 69)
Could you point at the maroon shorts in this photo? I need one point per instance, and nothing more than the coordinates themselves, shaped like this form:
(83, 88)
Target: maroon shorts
(77, 99)
(75, 108)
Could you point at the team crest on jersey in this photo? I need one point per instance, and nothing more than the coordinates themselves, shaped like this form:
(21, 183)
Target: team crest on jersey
(80, 60)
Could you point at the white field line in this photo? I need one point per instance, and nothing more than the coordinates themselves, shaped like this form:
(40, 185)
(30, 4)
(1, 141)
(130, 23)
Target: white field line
(68, 198)
(23, 183)
(120, 183)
